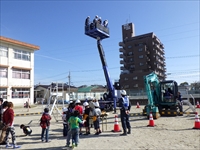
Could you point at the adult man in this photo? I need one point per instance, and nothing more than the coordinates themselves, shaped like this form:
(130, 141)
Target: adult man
(125, 107)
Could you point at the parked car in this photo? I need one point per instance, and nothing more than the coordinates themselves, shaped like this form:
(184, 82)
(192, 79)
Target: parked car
(61, 101)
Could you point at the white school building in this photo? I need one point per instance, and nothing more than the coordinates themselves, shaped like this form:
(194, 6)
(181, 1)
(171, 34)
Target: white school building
(17, 70)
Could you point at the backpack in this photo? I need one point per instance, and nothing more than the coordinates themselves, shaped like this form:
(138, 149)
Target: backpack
(45, 120)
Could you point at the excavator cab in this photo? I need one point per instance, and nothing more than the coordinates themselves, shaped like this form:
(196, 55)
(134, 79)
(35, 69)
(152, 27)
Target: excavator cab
(168, 95)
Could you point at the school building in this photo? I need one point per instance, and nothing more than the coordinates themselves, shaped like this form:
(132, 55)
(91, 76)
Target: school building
(17, 70)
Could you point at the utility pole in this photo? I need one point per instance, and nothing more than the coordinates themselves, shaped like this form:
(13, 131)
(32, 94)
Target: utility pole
(69, 80)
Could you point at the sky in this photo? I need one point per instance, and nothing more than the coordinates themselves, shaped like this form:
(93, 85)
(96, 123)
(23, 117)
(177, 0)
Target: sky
(57, 27)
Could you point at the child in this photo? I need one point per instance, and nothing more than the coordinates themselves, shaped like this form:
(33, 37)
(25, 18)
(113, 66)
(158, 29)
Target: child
(86, 117)
(64, 118)
(45, 124)
(96, 118)
(8, 118)
(26, 129)
(74, 129)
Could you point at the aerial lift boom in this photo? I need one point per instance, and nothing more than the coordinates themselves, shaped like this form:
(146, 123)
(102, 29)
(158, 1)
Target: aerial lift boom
(100, 32)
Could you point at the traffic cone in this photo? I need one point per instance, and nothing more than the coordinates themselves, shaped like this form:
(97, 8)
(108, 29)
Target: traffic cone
(138, 105)
(151, 121)
(197, 122)
(116, 125)
(198, 106)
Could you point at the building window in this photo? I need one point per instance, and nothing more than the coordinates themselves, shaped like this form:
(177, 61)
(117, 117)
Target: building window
(135, 78)
(129, 46)
(141, 64)
(125, 79)
(3, 51)
(3, 72)
(140, 49)
(3, 93)
(130, 53)
(140, 44)
(136, 85)
(20, 92)
(131, 60)
(141, 56)
(22, 55)
(126, 86)
(132, 66)
(21, 74)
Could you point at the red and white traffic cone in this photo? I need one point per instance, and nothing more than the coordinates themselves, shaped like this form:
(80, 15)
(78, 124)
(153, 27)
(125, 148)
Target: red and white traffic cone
(116, 125)
(151, 121)
(138, 105)
(198, 105)
(197, 122)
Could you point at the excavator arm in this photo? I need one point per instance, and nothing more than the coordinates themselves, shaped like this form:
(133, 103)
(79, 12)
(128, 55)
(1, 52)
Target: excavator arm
(152, 86)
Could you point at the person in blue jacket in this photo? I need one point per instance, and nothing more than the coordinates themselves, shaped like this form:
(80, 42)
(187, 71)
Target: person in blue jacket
(125, 107)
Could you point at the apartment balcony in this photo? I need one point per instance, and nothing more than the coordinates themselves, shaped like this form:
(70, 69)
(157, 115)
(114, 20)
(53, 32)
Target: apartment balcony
(122, 50)
(122, 56)
(121, 44)
(156, 40)
(123, 68)
(122, 62)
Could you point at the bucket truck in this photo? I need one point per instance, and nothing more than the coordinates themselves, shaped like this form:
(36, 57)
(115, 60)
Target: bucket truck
(100, 31)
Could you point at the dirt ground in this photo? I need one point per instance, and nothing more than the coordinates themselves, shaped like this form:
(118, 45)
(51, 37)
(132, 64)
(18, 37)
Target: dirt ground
(168, 133)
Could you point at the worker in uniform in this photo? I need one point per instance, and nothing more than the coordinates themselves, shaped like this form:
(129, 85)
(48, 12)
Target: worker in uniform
(125, 107)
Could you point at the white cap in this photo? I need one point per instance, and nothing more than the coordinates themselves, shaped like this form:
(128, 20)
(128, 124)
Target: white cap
(85, 104)
(77, 101)
(65, 109)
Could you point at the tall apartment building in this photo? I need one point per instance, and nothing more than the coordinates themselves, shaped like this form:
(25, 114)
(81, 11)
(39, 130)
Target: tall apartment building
(16, 70)
(141, 55)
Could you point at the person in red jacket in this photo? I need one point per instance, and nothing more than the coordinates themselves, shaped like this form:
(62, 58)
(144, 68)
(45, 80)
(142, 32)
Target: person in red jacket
(8, 118)
(45, 124)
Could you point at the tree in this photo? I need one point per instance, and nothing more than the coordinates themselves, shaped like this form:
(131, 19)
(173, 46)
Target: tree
(195, 85)
(184, 84)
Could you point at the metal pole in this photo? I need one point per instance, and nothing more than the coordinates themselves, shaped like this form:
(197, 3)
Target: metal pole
(69, 78)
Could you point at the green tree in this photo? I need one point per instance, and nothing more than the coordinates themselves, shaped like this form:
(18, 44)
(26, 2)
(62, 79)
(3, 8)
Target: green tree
(184, 84)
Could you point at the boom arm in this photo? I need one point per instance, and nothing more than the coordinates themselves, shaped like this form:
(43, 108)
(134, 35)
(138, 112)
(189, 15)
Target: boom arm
(107, 76)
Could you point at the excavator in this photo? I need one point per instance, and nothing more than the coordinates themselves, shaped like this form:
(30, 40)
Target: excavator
(100, 31)
(161, 96)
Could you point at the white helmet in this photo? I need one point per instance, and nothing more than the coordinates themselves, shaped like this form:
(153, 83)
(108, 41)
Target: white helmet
(65, 109)
(123, 92)
(85, 104)
(77, 101)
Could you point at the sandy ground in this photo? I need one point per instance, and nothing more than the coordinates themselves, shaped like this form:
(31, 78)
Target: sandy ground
(169, 133)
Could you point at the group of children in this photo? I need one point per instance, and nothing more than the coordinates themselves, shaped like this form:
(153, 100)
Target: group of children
(76, 116)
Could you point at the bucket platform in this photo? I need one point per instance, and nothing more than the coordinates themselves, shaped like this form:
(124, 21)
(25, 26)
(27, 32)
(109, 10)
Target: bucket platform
(97, 31)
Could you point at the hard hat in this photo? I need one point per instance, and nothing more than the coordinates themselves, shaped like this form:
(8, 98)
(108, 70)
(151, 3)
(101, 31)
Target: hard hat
(85, 104)
(65, 109)
(77, 101)
(123, 92)
(70, 102)
(96, 16)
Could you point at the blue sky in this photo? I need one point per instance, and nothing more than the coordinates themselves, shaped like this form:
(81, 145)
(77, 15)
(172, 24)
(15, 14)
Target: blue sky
(58, 28)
